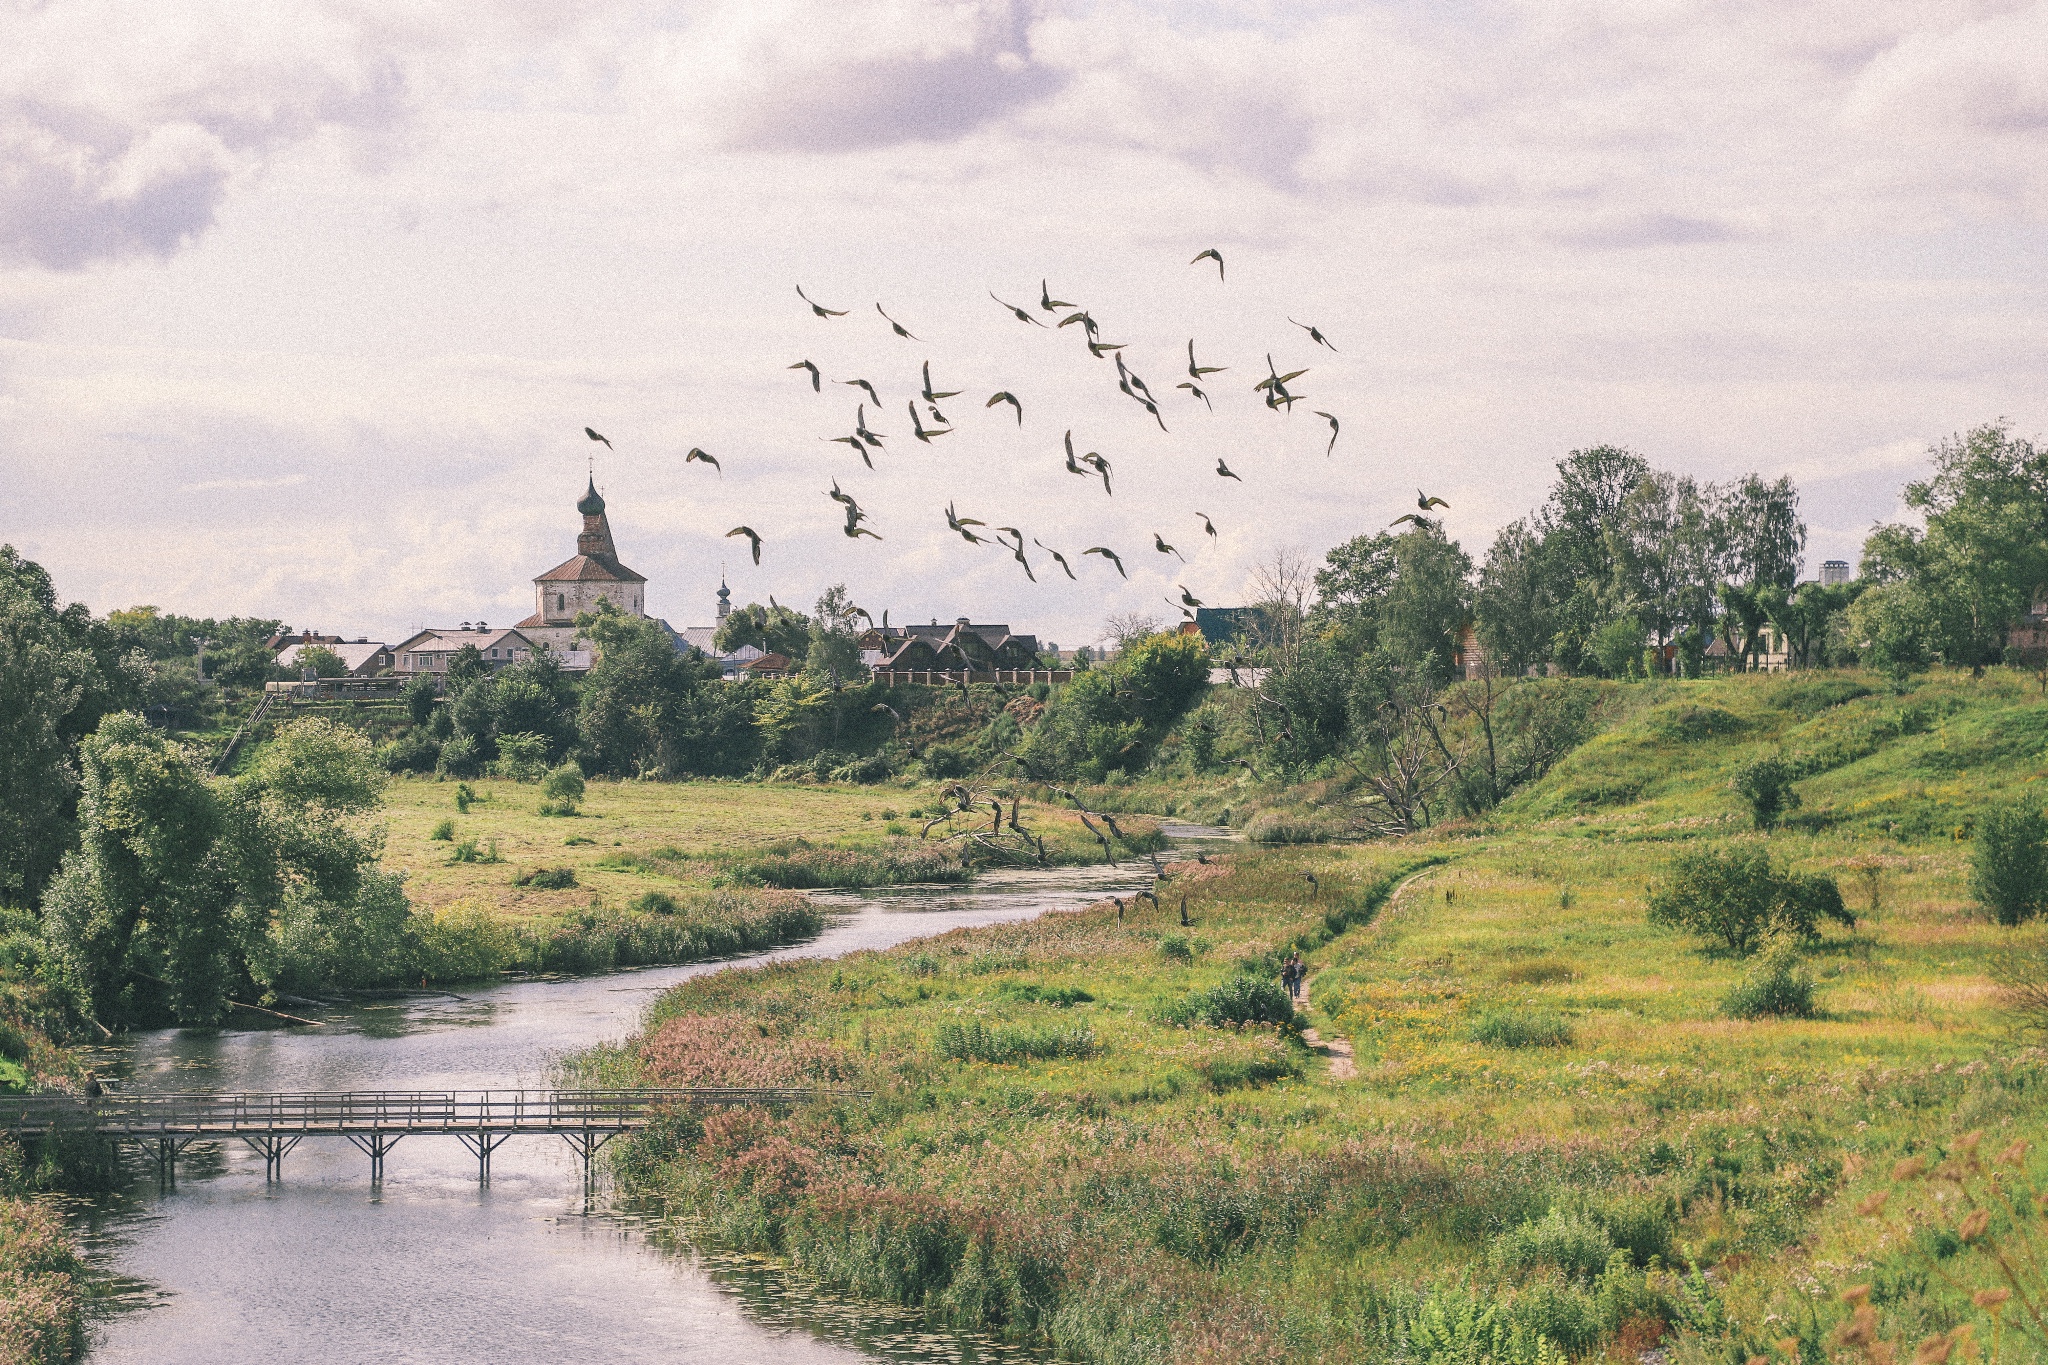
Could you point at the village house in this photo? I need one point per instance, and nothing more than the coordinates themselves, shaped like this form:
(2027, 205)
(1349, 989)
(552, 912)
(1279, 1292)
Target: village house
(360, 657)
(962, 645)
(431, 651)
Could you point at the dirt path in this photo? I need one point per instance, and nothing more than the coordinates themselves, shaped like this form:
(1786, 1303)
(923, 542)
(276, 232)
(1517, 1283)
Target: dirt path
(1338, 1051)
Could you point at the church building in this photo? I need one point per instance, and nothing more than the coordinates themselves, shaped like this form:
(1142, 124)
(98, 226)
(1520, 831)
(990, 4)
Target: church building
(578, 584)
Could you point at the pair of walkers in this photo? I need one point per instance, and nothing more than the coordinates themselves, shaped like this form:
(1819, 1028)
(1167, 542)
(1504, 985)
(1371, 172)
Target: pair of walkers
(1293, 975)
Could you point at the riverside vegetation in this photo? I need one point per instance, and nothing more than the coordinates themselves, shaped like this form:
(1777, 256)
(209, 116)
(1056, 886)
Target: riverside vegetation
(1576, 1127)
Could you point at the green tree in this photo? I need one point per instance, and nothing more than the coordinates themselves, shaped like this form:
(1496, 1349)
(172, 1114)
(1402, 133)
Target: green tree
(324, 662)
(832, 654)
(1515, 604)
(1894, 630)
(421, 695)
(771, 629)
(647, 710)
(2009, 862)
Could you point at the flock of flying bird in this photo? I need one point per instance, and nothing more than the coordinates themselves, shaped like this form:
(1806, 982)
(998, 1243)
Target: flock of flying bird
(933, 424)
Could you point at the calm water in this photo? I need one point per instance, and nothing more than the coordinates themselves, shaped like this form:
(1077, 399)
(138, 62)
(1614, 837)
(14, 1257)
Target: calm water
(427, 1267)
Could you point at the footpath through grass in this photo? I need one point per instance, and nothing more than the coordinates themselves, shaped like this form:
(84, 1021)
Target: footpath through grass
(1558, 1143)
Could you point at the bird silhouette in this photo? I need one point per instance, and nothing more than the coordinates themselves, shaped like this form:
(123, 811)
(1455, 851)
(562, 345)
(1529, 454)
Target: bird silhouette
(1021, 315)
(1416, 517)
(815, 378)
(1048, 302)
(862, 384)
(855, 532)
(960, 524)
(1187, 598)
(860, 427)
(1195, 372)
(1214, 255)
(1073, 468)
(852, 507)
(1423, 502)
(1207, 525)
(1331, 419)
(1099, 349)
(1017, 549)
(1101, 466)
(595, 437)
(1224, 470)
(860, 447)
(898, 328)
(819, 308)
(1005, 396)
(1111, 555)
(753, 538)
(1197, 392)
(927, 393)
(920, 431)
(1159, 544)
(1082, 317)
(893, 713)
(1313, 335)
(704, 457)
(1058, 558)
(938, 418)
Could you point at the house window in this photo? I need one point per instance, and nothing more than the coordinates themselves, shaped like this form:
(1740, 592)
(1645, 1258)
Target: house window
(494, 654)
(561, 602)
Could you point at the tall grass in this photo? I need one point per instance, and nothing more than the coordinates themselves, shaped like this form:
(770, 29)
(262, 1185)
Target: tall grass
(799, 865)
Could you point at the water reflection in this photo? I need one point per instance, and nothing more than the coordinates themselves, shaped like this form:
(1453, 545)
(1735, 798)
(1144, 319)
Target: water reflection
(325, 1266)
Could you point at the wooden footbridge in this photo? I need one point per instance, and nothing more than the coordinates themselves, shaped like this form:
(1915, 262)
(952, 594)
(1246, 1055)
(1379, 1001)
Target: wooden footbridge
(374, 1120)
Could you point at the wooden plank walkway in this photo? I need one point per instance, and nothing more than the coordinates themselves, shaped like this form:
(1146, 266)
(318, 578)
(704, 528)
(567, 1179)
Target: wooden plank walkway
(374, 1120)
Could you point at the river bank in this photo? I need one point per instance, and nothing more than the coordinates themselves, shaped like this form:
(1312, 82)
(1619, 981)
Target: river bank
(325, 1266)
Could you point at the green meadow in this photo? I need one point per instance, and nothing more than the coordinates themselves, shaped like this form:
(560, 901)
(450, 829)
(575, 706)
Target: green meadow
(1516, 1119)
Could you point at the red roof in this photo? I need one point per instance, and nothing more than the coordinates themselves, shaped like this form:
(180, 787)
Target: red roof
(590, 569)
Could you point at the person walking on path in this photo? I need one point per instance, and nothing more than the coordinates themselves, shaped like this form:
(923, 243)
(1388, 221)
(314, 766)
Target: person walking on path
(1292, 975)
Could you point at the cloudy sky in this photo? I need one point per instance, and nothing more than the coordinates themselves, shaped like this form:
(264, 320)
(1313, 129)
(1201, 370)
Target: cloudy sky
(304, 305)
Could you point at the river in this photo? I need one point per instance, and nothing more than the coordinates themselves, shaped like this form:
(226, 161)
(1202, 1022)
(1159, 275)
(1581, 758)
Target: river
(324, 1267)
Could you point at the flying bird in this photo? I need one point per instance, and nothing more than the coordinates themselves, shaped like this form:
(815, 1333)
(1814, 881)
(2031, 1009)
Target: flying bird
(1207, 525)
(1022, 316)
(1223, 470)
(862, 384)
(818, 308)
(752, 536)
(1100, 466)
(1048, 302)
(960, 524)
(1415, 517)
(1098, 349)
(894, 714)
(1211, 254)
(853, 508)
(1332, 420)
(898, 328)
(860, 447)
(938, 417)
(1197, 393)
(1017, 550)
(704, 457)
(928, 395)
(1005, 396)
(855, 531)
(807, 365)
(1111, 555)
(1313, 335)
(595, 437)
(1423, 501)
(922, 432)
(1187, 598)
(1195, 371)
(860, 427)
(1082, 317)
(1159, 544)
(1058, 558)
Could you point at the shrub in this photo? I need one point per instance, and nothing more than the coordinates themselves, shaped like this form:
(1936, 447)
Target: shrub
(461, 757)
(467, 852)
(2009, 863)
(547, 878)
(1174, 948)
(655, 903)
(464, 794)
(864, 771)
(1060, 997)
(1734, 898)
(1776, 988)
(976, 1042)
(461, 942)
(522, 757)
(416, 751)
(1521, 1028)
(1242, 999)
(563, 809)
(1280, 827)
(445, 832)
(943, 761)
(1766, 785)
(564, 784)
(1567, 1242)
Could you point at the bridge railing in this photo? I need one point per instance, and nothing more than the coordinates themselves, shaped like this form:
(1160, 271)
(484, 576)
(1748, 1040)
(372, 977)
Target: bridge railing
(378, 1110)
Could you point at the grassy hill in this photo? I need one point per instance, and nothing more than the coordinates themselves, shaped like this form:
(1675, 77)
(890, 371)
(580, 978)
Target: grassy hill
(1526, 1127)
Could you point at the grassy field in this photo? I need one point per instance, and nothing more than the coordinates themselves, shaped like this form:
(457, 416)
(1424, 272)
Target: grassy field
(630, 838)
(1527, 1130)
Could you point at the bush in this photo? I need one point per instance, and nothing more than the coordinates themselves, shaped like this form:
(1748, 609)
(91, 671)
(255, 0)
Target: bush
(1734, 898)
(564, 784)
(1242, 999)
(863, 771)
(461, 757)
(547, 878)
(444, 832)
(1059, 997)
(564, 809)
(1174, 948)
(467, 852)
(464, 794)
(1280, 827)
(942, 761)
(1521, 1028)
(1767, 786)
(522, 757)
(655, 903)
(415, 751)
(1776, 988)
(976, 1042)
(461, 942)
(2009, 862)
(1570, 1243)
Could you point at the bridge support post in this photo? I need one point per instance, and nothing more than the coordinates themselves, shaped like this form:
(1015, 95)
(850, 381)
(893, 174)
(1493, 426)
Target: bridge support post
(483, 1144)
(374, 1146)
(167, 1148)
(586, 1144)
(272, 1147)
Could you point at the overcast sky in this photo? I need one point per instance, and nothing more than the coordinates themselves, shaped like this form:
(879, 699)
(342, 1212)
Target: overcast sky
(304, 305)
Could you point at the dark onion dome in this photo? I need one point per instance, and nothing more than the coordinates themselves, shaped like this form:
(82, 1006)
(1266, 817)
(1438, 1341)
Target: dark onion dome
(590, 504)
